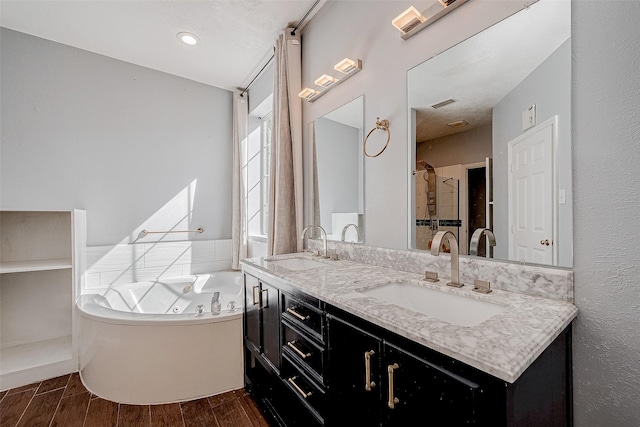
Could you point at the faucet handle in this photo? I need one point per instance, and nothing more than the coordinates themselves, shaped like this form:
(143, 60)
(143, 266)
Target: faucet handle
(481, 286)
(431, 276)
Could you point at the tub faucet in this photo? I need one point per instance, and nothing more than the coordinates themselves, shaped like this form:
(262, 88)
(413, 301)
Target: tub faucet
(346, 227)
(453, 243)
(475, 240)
(323, 235)
(215, 303)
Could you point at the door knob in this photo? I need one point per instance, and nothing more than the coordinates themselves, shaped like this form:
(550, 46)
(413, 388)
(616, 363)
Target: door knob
(544, 242)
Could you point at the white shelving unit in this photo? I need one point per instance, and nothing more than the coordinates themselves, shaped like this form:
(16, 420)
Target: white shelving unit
(41, 260)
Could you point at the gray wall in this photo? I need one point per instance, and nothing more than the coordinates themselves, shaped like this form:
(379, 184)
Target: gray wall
(606, 155)
(606, 198)
(81, 130)
(549, 88)
(337, 153)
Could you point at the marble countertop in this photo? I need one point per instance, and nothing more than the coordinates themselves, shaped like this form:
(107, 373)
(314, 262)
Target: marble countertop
(504, 346)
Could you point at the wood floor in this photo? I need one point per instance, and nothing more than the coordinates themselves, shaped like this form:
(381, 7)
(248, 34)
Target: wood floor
(65, 402)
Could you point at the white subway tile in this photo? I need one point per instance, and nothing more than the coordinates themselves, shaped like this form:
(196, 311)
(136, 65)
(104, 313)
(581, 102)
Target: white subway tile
(223, 249)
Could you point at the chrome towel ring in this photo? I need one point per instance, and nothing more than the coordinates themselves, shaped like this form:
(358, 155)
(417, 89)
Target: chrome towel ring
(382, 125)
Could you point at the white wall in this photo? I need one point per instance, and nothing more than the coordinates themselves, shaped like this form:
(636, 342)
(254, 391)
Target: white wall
(135, 147)
(606, 155)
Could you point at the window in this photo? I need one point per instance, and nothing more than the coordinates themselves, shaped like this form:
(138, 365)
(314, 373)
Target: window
(256, 172)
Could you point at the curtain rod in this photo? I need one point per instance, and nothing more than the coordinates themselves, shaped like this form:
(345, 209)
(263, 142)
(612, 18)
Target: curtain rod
(257, 75)
(293, 33)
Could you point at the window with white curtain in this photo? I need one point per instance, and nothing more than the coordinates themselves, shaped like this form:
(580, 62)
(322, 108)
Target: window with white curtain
(256, 172)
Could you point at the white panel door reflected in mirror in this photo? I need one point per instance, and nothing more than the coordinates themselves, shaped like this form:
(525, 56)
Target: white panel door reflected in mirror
(467, 106)
(338, 183)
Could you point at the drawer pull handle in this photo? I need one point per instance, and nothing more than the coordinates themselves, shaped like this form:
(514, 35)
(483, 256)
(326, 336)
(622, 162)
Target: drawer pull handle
(264, 299)
(368, 384)
(253, 294)
(392, 400)
(304, 395)
(301, 353)
(298, 315)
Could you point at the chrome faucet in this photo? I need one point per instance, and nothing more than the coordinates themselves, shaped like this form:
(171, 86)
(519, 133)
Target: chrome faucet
(475, 240)
(453, 243)
(323, 235)
(346, 227)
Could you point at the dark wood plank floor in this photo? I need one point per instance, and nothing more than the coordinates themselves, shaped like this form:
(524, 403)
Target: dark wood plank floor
(64, 402)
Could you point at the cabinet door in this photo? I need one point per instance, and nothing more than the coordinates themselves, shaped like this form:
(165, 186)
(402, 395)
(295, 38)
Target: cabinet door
(252, 312)
(353, 375)
(270, 323)
(420, 393)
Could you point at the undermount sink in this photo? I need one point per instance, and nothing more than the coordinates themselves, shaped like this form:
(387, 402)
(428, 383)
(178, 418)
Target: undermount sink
(297, 263)
(448, 307)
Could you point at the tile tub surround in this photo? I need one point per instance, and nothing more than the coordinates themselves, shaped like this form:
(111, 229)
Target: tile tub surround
(125, 263)
(546, 282)
(503, 346)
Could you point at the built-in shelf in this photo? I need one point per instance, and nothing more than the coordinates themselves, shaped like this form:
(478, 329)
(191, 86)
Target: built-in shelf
(40, 265)
(44, 249)
(35, 354)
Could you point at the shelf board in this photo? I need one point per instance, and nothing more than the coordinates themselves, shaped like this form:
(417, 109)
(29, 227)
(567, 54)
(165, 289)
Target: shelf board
(40, 265)
(36, 354)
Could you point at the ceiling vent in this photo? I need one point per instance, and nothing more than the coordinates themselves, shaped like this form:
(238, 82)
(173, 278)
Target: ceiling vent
(443, 103)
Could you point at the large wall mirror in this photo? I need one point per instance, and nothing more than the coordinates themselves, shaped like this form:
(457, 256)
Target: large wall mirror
(490, 140)
(338, 202)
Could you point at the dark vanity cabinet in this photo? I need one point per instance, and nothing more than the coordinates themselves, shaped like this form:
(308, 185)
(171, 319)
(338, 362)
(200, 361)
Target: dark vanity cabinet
(355, 374)
(375, 381)
(332, 368)
(262, 319)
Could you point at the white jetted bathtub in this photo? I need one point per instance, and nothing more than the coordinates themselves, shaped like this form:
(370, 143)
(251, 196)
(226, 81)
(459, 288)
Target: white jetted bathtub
(158, 342)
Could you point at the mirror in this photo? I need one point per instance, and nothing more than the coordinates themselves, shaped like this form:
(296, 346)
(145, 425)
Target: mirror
(490, 141)
(338, 173)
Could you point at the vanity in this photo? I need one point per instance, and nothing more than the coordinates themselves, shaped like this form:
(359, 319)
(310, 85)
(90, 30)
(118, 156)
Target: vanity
(331, 342)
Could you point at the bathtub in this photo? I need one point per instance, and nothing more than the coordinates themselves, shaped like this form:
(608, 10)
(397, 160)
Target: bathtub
(144, 343)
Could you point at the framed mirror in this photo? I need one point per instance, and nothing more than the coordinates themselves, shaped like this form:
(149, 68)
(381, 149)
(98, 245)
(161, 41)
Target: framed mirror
(490, 140)
(338, 175)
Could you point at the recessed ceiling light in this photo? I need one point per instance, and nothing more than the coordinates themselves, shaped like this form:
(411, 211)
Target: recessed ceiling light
(458, 124)
(188, 38)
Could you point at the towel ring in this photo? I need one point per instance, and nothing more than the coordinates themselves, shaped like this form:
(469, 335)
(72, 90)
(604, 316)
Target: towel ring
(382, 125)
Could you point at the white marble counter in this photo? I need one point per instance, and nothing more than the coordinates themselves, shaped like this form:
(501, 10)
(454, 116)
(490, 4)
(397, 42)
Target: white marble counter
(504, 345)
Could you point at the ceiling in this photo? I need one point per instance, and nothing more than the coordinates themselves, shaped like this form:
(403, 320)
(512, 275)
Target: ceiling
(237, 36)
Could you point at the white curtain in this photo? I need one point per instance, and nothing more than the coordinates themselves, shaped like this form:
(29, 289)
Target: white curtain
(285, 195)
(238, 222)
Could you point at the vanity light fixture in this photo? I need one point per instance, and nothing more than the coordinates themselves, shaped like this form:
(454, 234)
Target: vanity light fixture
(408, 20)
(308, 93)
(325, 80)
(347, 66)
(411, 21)
(189, 39)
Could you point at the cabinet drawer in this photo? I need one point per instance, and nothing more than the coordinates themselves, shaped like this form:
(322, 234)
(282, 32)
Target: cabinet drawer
(303, 315)
(303, 351)
(305, 389)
